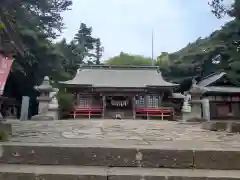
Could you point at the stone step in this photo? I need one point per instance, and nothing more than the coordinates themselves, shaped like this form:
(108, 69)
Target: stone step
(56, 154)
(229, 126)
(33, 172)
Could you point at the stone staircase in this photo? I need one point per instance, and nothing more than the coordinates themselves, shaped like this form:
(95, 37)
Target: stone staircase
(36, 161)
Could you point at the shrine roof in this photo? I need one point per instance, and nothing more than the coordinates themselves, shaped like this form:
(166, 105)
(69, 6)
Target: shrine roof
(119, 76)
(207, 85)
(211, 79)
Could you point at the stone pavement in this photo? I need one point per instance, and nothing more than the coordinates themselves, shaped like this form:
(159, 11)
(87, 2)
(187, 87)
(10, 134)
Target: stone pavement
(124, 133)
(118, 150)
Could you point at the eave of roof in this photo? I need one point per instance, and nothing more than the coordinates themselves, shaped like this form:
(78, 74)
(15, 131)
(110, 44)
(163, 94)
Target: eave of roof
(200, 89)
(118, 67)
(222, 89)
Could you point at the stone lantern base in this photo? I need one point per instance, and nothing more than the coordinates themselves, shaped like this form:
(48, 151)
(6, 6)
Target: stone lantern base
(41, 117)
(53, 113)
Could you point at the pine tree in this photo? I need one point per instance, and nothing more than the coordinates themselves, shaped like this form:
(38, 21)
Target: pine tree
(98, 51)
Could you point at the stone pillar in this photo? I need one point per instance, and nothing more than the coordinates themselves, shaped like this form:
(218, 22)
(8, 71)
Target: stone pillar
(206, 109)
(24, 108)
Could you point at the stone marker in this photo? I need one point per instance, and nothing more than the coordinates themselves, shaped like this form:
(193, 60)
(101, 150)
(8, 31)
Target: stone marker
(206, 109)
(24, 108)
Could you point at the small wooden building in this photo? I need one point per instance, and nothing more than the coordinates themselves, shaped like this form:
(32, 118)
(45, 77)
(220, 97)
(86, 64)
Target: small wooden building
(120, 91)
(223, 95)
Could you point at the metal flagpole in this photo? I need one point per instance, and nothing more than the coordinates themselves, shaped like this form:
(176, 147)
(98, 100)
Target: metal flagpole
(152, 49)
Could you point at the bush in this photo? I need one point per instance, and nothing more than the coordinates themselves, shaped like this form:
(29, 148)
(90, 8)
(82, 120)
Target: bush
(66, 103)
(3, 136)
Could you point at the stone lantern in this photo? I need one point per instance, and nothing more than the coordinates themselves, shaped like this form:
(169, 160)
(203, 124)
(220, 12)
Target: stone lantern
(48, 104)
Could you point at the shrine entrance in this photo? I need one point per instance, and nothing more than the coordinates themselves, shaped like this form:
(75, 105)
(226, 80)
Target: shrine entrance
(119, 107)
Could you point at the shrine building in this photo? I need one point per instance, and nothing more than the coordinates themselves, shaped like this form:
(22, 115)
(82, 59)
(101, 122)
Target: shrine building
(222, 94)
(126, 92)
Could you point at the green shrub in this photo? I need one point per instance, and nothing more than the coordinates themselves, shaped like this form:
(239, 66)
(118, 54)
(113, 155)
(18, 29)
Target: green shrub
(3, 136)
(66, 103)
(1, 26)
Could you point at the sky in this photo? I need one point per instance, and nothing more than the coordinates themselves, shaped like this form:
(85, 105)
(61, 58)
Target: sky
(127, 25)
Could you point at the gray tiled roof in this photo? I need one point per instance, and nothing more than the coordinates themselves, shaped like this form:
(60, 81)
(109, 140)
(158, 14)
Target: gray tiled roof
(211, 79)
(202, 90)
(119, 76)
(205, 85)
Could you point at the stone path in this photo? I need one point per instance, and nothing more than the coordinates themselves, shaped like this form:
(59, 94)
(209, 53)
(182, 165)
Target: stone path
(154, 134)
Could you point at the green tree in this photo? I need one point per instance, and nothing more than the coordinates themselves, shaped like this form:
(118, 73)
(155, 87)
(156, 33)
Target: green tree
(217, 52)
(218, 8)
(71, 56)
(42, 15)
(37, 22)
(230, 36)
(163, 59)
(98, 51)
(224, 7)
(66, 104)
(127, 59)
(84, 40)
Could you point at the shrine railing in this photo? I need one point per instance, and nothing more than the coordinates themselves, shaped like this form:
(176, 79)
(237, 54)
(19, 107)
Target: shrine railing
(88, 112)
(155, 112)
